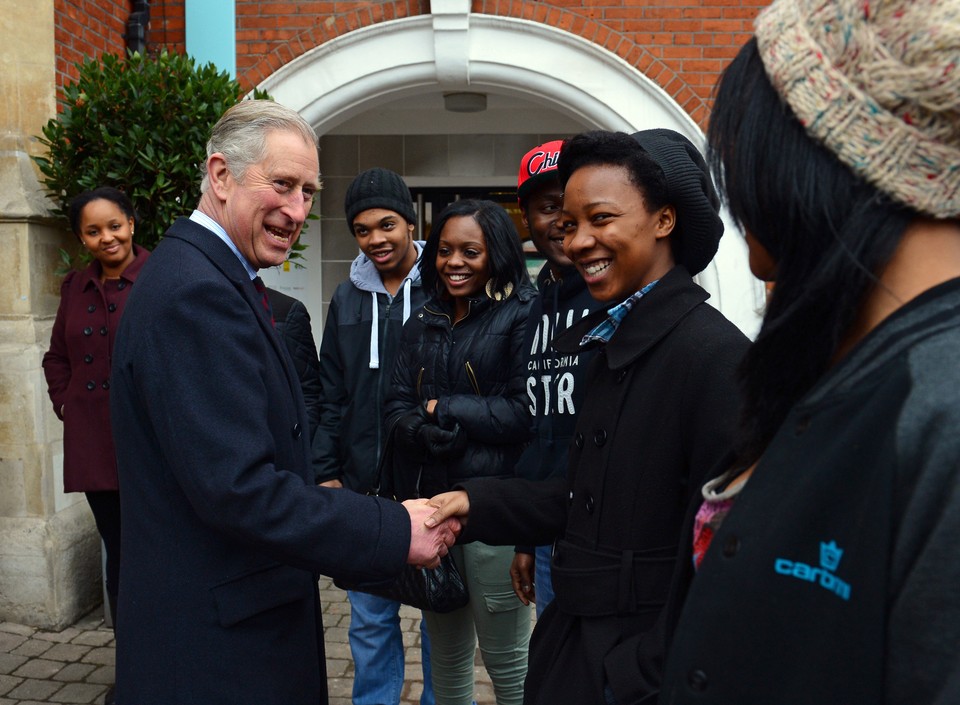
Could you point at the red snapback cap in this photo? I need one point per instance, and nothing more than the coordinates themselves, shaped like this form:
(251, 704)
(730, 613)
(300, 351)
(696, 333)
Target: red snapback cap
(538, 162)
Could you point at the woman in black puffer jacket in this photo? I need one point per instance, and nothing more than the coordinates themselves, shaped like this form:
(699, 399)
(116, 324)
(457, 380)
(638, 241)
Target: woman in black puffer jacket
(458, 410)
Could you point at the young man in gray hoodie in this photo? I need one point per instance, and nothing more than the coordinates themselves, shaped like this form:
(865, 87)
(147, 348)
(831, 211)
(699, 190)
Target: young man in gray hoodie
(357, 354)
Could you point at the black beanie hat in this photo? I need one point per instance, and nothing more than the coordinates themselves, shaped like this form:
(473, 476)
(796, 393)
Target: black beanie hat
(378, 188)
(696, 236)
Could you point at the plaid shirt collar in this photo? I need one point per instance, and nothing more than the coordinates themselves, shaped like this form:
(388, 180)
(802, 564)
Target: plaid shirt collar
(604, 332)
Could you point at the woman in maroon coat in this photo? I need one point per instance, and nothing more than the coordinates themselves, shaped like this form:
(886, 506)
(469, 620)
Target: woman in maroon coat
(77, 365)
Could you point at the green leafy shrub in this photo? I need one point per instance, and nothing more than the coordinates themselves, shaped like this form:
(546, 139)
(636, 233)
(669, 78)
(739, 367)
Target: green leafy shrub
(140, 124)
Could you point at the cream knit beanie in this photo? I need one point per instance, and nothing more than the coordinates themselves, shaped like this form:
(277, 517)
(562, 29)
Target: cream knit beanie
(878, 83)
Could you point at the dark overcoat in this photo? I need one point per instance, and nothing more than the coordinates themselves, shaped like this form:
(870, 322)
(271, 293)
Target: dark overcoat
(224, 531)
(660, 409)
(77, 368)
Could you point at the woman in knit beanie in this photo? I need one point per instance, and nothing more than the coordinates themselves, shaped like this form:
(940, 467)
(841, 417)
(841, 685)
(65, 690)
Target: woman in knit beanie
(826, 553)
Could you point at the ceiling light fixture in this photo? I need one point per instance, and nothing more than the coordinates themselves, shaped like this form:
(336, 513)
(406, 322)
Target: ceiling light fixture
(465, 102)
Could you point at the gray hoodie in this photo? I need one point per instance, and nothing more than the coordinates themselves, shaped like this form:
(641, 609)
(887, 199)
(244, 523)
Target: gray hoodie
(357, 353)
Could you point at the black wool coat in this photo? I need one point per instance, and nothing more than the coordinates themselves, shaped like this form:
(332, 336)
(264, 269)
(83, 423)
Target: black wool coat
(660, 409)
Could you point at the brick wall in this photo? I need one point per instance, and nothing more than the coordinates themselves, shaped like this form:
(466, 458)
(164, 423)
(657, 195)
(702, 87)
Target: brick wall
(167, 26)
(85, 28)
(270, 34)
(683, 45)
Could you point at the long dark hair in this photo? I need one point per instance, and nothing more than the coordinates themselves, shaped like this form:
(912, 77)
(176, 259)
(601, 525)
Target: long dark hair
(829, 232)
(503, 244)
(107, 193)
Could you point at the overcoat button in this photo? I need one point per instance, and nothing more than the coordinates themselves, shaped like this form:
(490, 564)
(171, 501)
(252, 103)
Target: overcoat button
(91, 385)
(88, 331)
(731, 546)
(600, 437)
(88, 358)
(589, 504)
(578, 440)
(121, 286)
(106, 384)
(803, 423)
(103, 330)
(697, 680)
(111, 308)
(91, 308)
(622, 375)
(296, 431)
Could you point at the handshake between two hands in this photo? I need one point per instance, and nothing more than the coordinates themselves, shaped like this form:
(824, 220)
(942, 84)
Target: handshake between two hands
(435, 524)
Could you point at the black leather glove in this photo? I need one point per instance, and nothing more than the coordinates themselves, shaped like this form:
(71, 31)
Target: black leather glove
(408, 426)
(442, 444)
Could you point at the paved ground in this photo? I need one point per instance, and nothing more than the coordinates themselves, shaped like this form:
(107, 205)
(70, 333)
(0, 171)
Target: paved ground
(76, 665)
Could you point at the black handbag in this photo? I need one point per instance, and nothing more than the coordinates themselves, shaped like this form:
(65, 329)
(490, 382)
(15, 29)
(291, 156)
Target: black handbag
(440, 589)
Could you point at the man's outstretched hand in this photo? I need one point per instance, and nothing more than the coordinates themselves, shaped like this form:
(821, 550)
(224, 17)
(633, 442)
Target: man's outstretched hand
(429, 540)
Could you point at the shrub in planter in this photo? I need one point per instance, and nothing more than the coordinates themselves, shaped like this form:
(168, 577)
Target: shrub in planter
(140, 124)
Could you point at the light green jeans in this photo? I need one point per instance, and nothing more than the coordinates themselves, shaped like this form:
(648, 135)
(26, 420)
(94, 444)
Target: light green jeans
(494, 618)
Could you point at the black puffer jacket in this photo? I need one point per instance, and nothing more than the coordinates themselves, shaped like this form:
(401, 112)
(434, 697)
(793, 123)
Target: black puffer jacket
(476, 372)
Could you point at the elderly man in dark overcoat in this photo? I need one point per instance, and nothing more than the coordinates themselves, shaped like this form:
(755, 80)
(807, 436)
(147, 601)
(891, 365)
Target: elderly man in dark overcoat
(225, 532)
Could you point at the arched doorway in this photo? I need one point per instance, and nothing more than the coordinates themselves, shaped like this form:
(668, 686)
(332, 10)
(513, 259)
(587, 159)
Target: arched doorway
(376, 96)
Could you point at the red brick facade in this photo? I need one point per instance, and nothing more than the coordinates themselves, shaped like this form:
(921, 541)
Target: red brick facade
(683, 45)
(85, 28)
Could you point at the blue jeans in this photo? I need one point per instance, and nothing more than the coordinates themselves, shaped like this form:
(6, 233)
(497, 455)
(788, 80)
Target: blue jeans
(541, 577)
(377, 647)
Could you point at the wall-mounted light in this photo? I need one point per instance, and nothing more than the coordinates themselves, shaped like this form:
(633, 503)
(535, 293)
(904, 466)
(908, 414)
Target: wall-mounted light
(465, 102)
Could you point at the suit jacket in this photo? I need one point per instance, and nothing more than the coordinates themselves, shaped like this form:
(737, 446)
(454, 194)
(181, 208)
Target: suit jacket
(224, 531)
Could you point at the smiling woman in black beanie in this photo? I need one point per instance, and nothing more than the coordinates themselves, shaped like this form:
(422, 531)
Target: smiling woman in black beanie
(639, 216)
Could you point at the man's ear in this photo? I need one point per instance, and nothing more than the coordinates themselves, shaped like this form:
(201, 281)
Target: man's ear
(666, 221)
(219, 175)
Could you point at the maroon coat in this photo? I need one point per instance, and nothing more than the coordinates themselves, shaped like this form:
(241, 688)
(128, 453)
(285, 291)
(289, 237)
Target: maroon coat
(77, 368)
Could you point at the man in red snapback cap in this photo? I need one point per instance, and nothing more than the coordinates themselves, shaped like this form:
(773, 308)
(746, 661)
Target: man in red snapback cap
(554, 382)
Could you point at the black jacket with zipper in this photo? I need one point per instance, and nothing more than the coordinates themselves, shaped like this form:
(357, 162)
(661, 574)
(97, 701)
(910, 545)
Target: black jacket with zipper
(475, 369)
(357, 355)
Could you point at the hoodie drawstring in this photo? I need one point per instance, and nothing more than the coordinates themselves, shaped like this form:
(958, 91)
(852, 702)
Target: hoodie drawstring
(406, 299)
(375, 334)
(375, 323)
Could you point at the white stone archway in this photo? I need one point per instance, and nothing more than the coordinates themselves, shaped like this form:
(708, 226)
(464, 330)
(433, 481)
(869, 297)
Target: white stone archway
(453, 49)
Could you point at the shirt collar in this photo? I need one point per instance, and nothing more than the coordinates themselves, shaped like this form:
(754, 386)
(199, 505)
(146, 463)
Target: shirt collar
(210, 224)
(604, 332)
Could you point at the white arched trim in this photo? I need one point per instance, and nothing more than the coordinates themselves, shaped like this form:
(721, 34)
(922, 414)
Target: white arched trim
(484, 53)
(455, 50)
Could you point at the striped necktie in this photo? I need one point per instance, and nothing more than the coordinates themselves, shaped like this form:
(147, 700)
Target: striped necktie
(262, 289)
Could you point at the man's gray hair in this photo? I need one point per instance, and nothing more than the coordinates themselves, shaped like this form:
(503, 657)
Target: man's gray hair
(240, 134)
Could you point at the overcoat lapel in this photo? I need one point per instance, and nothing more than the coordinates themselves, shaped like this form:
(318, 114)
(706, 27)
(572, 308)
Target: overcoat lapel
(226, 261)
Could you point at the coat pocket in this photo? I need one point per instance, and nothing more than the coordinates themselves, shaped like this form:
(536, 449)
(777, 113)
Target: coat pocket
(248, 595)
